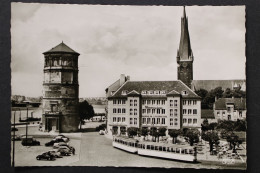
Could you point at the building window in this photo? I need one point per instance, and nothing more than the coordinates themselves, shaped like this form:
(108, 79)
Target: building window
(123, 102)
(135, 102)
(194, 121)
(135, 111)
(151, 92)
(158, 121)
(123, 119)
(175, 112)
(124, 92)
(163, 102)
(123, 110)
(114, 102)
(135, 121)
(184, 111)
(119, 111)
(158, 111)
(189, 121)
(240, 114)
(158, 102)
(175, 102)
(131, 111)
(153, 102)
(229, 117)
(171, 112)
(175, 121)
(163, 92)
(131, 102)
(119, 102)
(194, 111)
(163, 111)
(153, 111)
(228, 109)
(148, 111)
(184, 92)
(163, 120)
(114, 119)
(184, 120)
(184, 102)
(194, 102)
(118, 119)
(144, 120)
(171, 121)
(114, 110)
(144, 101)
(171, 103)
(153, 120)
(223, 112)
(131, 120)
(144, 111)
(189, 111)
(189, 102)
(148, 120)
(143, 92)
(218, 113)
(148, 102)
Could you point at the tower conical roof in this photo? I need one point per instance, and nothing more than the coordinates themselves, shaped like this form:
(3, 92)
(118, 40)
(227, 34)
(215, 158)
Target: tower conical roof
(185, 52)
(61, 48)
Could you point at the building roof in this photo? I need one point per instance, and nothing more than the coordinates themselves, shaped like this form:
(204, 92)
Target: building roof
(61, 48)
(184, 52)
(207, 114)
(113, 87)
(167, 86)
(212, 84)
(239, 103)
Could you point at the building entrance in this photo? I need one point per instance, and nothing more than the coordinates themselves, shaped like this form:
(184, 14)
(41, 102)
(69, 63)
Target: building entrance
(52, 124)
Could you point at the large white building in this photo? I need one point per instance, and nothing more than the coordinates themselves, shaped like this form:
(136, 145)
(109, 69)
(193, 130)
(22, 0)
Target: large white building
(170, 104)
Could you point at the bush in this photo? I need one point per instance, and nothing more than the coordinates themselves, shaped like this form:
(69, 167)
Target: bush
(101, 127)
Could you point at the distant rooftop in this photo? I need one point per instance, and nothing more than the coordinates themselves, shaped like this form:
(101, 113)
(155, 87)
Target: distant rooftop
(61, 48)
(239, 103)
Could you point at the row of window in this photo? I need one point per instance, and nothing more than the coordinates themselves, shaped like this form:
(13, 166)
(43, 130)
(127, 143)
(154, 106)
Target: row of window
(159, 121)
(189, 102)
(189, 121)
(119, 102)
(189, 111)
(133, 102)
(119, 110)
(158, 111)
(160, 102)
(118, 119)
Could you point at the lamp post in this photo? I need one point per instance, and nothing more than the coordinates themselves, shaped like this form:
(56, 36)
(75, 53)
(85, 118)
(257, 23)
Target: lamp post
(26, 130)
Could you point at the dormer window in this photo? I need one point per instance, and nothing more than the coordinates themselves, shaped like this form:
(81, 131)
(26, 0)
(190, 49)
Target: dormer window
(112, 92)
(184, 92)
(144, 92)
(156, 92)
(151, 92)
(124, 92)
(163, 92)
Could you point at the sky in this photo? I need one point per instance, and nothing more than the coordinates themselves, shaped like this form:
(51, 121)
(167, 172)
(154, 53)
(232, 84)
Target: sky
(139, 41)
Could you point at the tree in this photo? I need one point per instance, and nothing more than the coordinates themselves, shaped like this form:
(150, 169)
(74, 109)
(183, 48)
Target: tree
(192, 135)
(161, 132)
(86, 111)
(205, 125)
(212, 126)
(202, 93)
(144, 131)
(228, 93)
(154, 133)
(174, 133)
(240, 125)
(132, 131)
(233, 139)
(212, 138)
(227, 125)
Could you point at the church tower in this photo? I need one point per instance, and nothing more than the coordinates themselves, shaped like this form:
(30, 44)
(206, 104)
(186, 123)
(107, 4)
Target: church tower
(184, 54)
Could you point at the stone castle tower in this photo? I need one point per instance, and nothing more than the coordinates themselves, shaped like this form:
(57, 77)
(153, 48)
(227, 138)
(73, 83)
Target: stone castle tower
(184, 54)
(60, 90)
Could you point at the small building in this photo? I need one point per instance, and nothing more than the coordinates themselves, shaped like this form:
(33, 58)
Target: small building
(230, 109)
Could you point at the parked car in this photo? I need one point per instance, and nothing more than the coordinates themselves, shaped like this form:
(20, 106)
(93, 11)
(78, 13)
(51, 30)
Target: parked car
(101, 132)
(50, 143)
(64, 138)
(45, 156)
(16, 138)
(55, 153)
(29, 141)
(58, 144)
(65, 151)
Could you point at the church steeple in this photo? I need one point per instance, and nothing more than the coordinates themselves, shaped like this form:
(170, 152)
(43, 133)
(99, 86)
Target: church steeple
(184, 53)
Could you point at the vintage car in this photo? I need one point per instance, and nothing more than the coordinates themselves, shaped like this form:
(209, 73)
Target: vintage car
(58, 144)
(29, 141)
(65, 151)
(64, 138)
(45, 156)
(55, 153)
(50, 143)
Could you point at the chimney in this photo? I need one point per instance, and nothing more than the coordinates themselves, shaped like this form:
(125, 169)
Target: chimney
(122, 79)
(127, 78)
(216, 98)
